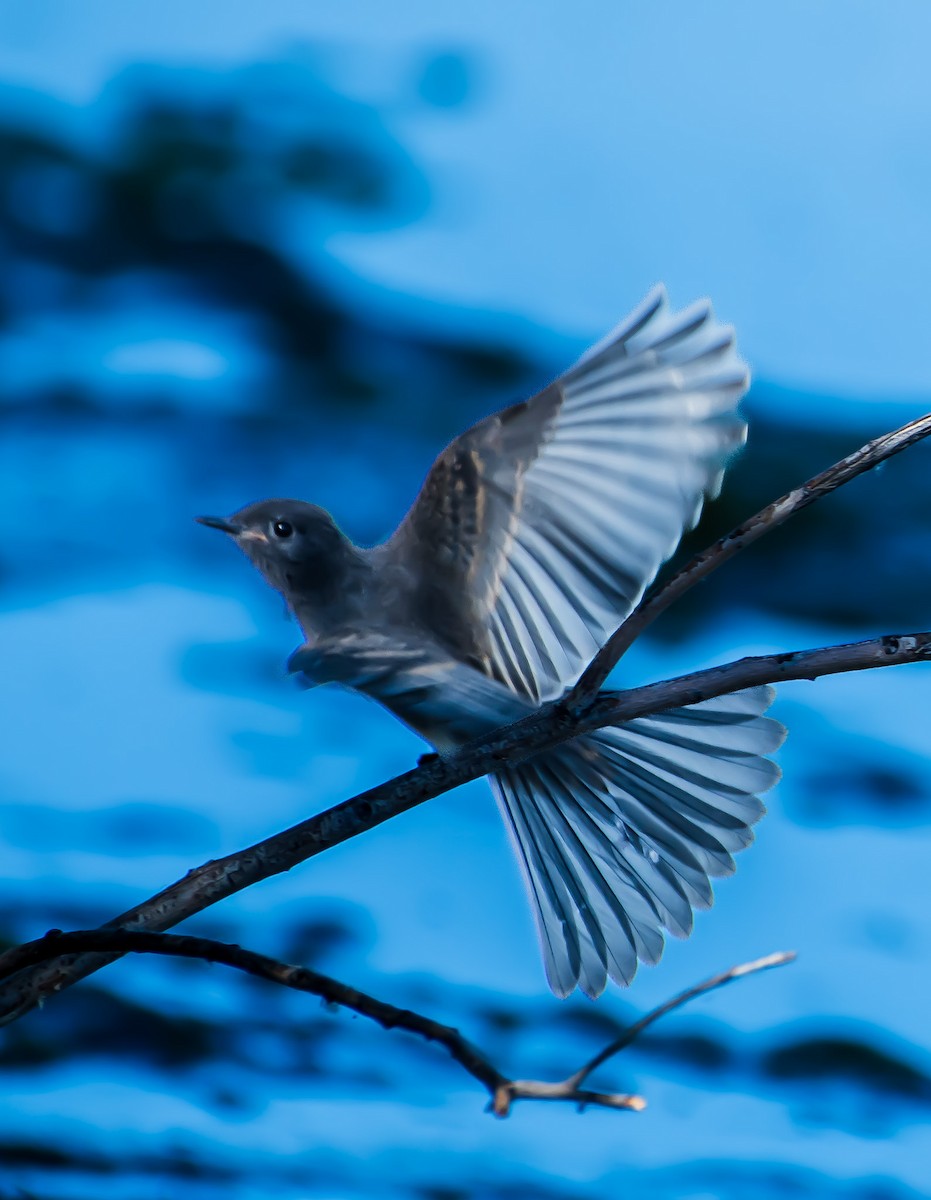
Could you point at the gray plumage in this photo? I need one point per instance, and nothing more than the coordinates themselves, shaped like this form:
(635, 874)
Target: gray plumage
(534, 535)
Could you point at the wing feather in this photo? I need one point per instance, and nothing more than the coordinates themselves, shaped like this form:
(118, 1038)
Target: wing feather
(538, 530)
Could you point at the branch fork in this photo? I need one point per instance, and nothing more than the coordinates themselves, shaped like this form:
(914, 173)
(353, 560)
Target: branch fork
(503, 1091)
(32, 972)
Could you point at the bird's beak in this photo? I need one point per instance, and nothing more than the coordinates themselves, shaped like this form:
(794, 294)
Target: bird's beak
(220, 523)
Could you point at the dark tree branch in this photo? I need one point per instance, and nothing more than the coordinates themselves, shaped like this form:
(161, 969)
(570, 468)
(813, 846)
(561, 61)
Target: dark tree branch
(502, 1090)
(750, 531)
(214, 881)
(580, 711)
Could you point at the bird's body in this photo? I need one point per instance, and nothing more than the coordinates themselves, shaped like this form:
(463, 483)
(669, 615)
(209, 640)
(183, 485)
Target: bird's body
(534, 535)
(371, 625)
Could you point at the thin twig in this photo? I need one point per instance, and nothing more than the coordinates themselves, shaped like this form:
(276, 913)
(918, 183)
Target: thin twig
(701, 566)
(502, 1090)
(547, 727)
(633, 1031)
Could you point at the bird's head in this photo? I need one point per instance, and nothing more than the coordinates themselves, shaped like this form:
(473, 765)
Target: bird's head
(296, 546)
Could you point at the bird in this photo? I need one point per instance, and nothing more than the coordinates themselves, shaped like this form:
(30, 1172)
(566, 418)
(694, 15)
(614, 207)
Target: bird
(535, 534)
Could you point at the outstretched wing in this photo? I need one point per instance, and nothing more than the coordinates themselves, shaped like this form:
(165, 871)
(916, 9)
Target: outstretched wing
(537, 530)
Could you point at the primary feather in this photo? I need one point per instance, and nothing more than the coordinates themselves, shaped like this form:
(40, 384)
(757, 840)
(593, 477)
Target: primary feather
(543, 524)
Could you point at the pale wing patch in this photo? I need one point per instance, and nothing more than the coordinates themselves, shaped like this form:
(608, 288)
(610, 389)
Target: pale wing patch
(538, 530)
(647, 421)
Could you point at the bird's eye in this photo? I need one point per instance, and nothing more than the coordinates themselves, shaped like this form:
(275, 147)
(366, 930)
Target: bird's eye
(282, 529)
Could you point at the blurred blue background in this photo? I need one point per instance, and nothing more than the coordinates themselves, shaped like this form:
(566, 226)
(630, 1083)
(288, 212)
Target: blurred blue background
(290, 249)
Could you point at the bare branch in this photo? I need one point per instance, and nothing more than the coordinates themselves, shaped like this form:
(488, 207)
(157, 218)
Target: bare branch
(502, 1090)
(549, 726)
(581, 709)
(116, 942)
(778, 959)
(750, 531)
(612, 708)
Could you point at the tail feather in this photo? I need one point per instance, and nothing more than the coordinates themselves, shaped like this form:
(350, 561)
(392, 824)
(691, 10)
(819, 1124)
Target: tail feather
(648, 908)
(651, 802)
(619, 833)
(556, 924)
(582, 851)
(586, 915)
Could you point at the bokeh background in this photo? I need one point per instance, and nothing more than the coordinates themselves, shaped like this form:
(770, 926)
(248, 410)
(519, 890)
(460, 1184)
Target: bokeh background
(292, 249)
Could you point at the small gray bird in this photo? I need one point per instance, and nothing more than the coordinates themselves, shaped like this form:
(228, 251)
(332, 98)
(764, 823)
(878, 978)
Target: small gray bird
(534, 535)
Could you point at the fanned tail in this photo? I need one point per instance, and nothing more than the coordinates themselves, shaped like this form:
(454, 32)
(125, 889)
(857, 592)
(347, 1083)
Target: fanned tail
(619, 833)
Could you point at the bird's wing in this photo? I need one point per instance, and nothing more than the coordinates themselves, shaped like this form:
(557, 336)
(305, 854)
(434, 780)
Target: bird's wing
(537, 530)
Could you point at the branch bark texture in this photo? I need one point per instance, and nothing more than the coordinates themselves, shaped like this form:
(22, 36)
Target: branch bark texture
(215, 880)
(583, 709)
(745, 534)
(502, 1090)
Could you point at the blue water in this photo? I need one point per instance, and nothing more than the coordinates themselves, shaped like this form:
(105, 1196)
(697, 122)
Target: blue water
(153, 371)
